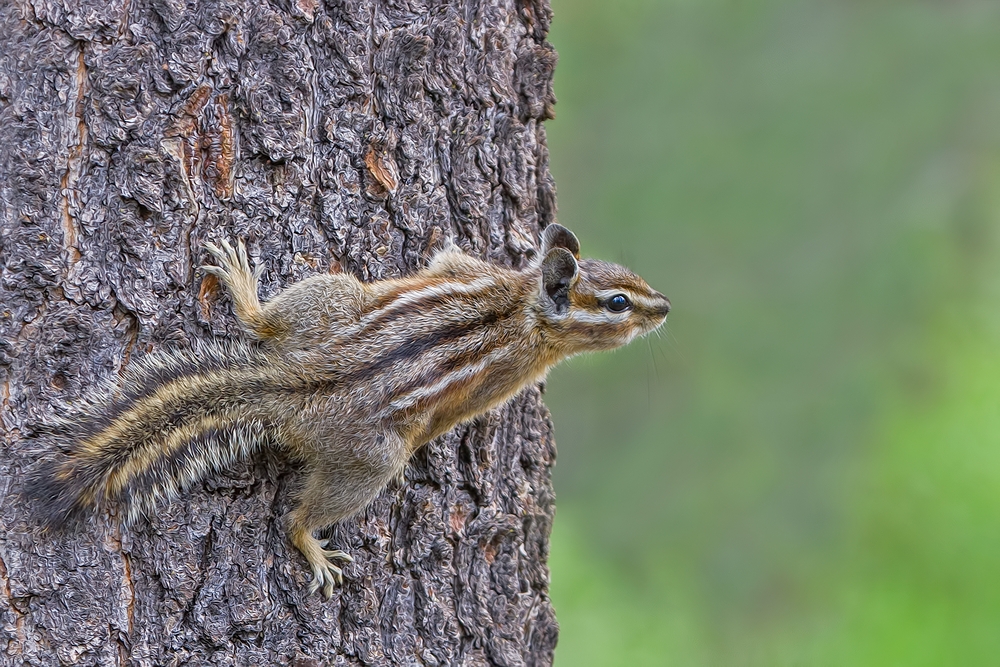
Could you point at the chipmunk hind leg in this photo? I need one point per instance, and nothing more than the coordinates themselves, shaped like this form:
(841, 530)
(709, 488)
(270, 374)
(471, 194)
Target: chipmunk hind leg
(337, 488)
(318, 509)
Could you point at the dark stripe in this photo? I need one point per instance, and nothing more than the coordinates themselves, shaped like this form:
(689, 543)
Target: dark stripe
(407, 311)
(201, 360)
(595, 333)
(448, 366)
(414, 348)
(218, 398)
(146, 379)
(391, 296)
(166, 469)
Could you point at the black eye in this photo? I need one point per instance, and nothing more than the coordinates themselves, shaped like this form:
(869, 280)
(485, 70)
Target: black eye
(618, 303)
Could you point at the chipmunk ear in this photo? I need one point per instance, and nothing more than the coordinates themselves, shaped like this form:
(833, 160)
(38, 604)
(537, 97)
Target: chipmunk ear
(559, 272)
(557, 236)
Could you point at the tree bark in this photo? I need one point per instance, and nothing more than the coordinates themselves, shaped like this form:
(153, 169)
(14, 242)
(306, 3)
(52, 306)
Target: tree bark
(340, 135)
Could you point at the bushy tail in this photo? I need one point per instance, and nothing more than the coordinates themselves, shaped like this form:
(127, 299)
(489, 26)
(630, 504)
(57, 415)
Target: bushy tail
(176, 417)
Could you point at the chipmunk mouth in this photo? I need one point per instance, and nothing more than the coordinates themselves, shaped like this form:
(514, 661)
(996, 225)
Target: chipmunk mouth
(663, 305)
(656, 310)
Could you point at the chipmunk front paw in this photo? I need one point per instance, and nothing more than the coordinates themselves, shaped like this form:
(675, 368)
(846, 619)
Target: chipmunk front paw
(234, 266)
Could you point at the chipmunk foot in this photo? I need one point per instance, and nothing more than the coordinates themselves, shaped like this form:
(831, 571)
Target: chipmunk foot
(326, 575)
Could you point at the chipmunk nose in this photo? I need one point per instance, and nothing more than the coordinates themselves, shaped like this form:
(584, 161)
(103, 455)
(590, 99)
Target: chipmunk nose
(664, 307)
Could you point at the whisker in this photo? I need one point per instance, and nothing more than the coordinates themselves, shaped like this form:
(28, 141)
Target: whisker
(675, 344)
(652, 355)
(649, 391)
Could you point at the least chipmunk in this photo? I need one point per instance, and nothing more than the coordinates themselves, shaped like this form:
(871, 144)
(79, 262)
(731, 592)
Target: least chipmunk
(348, 379)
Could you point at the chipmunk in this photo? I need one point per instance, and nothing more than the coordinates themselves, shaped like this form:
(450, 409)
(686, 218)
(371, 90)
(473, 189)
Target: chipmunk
(347, 379)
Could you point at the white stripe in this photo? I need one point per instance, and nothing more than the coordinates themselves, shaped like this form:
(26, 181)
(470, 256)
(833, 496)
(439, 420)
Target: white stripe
(608, 293)
(604, 317)
(435, 290)
(648, 302)
(466, 373)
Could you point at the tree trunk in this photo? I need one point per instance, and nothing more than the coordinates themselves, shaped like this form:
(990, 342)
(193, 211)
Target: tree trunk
(344, 135)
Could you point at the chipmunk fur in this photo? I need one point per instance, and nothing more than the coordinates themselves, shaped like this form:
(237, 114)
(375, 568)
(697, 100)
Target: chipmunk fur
(348, 379)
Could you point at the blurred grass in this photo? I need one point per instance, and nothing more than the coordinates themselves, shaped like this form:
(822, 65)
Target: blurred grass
(805, 469)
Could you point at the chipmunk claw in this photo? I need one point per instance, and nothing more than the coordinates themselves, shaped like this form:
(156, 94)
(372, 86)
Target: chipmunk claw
(231, 259)
(335, 554)
(325, 577)
(216, 271)
(234, 271)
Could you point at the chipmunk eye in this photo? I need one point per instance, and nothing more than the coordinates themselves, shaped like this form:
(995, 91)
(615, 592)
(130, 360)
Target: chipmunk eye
(618, 303)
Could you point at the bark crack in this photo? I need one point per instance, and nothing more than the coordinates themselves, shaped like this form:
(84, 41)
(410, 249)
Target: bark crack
(126, 592)
(19, 622)
(129, 588)
(370, 102)
(74, 160)
(4, 402)
(123, 26)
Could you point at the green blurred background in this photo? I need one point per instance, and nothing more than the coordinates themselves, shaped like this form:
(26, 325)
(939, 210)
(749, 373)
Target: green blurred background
(805, 468)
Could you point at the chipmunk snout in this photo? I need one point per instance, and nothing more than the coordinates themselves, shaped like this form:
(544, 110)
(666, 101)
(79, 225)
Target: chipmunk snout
(664, 306)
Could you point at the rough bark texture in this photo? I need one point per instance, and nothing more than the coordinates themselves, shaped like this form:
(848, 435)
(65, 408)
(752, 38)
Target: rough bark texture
(333, 135)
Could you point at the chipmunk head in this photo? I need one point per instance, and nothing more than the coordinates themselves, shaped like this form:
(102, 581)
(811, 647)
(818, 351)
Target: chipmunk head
(589, 304)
